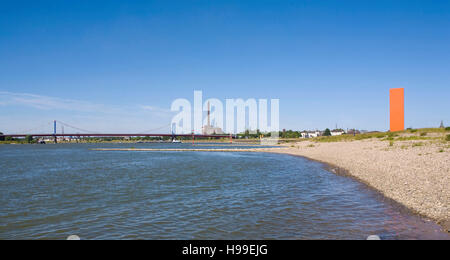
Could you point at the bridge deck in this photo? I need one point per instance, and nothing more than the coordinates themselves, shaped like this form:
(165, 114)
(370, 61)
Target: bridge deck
(116, 135)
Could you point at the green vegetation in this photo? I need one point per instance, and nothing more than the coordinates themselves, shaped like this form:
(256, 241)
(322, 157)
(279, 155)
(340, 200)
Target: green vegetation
(254, 135)
(432, 130)
(10, 140)
(420, 135)
(123, 139)
(417, 144)
(424, 130)
(407, 135)
(392, 134)
(447, 129)
(413, 138)
(290, 134)
(349, 138)
(29, 139)
(441, 151)
(2, 138)
(391, 143)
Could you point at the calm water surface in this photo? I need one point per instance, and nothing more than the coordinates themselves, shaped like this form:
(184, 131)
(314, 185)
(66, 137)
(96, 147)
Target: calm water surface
(53, 191)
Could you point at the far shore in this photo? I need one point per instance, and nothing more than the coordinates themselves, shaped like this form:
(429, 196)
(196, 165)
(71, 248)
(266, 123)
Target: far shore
(213, 141)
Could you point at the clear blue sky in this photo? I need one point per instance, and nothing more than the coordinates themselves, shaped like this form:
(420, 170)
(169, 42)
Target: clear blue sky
(118, 65)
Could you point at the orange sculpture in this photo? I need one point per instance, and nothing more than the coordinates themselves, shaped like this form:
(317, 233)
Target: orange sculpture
(397, 109)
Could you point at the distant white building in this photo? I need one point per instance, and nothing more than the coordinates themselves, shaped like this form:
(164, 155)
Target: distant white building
(209, 129)
(310, 134)
(337, 132)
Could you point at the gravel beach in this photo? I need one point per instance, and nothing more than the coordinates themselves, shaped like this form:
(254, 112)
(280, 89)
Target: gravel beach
(412, 173)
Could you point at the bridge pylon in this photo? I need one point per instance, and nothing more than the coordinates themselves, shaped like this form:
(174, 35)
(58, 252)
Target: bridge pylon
(54, 132)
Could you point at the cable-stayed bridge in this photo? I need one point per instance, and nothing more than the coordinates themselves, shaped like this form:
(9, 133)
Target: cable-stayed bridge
(79, 133)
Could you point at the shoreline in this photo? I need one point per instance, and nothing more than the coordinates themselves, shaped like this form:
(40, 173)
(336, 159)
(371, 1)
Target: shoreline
(334, 169)
(426, 207)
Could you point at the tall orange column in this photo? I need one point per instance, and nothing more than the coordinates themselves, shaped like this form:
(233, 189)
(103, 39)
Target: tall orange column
(397, 109)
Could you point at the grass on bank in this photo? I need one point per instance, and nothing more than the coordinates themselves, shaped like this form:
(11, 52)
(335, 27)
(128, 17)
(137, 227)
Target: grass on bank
(407, 135)
(348, 138)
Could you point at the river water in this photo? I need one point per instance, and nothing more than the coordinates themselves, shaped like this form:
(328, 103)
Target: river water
(53, 191)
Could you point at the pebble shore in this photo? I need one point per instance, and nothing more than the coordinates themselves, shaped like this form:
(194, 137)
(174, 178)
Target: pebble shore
(417, 177)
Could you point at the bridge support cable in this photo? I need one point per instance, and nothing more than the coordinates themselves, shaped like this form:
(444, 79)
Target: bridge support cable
(154, 129)
(77, 128)
(40, 127)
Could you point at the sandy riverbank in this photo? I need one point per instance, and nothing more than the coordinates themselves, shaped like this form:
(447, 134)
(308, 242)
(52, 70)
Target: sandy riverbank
(415, 174)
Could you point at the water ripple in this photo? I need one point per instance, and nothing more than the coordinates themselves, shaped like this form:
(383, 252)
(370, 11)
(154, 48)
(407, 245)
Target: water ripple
(50, 192)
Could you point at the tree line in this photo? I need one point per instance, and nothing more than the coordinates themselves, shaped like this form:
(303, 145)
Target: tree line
(28, 139)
